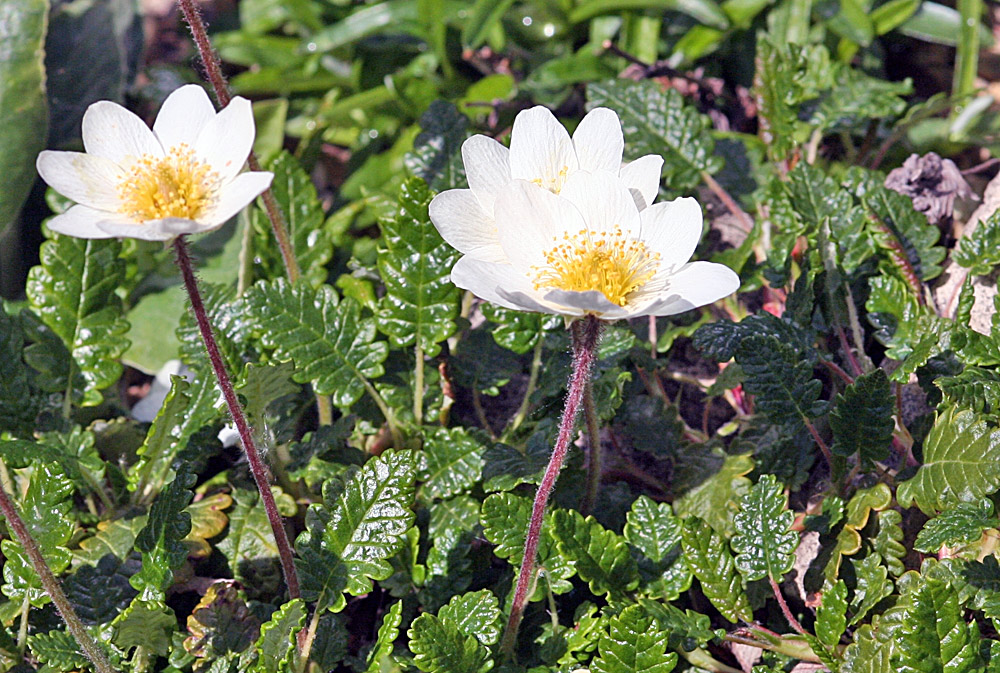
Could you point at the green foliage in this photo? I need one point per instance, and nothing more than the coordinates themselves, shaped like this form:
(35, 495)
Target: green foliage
(980, 251)
(453, 463)
(708, 556)
(782, 383)
(159, 541)
(960, 463)
(975, 388)
(862, 418)
(764, 544)
(656, 121)
(58, 650)
(331, 345)
(655, 532)
(277, 644)
(420, 304)
(933, 636)
(634, 645)
(436, 156)
(387, 634)
(19, 401)
(962, 524)
(600, 556)
(439, 646)
(831, 620)
(73, 291)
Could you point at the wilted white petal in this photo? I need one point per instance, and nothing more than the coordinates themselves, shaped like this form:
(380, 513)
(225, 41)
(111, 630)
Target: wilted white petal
(80, 222)
(603, 201)
(599, 142)
(226, 139)
(112, 132)
(84, 178)
(183, 115)
(643, 176)
(541, 150)
(461, 221)
(235, 195)
(672, 229)
(487, 167)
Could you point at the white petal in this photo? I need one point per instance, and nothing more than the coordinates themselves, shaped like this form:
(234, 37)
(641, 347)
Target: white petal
(696, 284)
(643, 176)
(112, 132)
(531, 220)
(183, 116)
(501, 284)
(487, 167)
(582, 303)
(460, 220)
(87, 179)
(672, 229)
(604, 202)
(81, 222)
(154, 230)
(599, 142)
(541, 149)
(226, 139)
(235, 195)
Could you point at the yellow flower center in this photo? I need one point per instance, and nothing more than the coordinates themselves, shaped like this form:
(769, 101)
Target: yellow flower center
(609, 262)
(177, 185)
(553, 183)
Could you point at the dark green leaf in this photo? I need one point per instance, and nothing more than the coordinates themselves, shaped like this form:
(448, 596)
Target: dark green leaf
(719, 340)
(229, 326)
(160, 541)
(58, 650)
(975, 388)
(657, 121)
(19, 400)
(518, 331)
(312, 242)
(436, 155)
(831, 619)
(387, 634)
(961, 463)
(634, 645)
(653, 529)
(249, 545)
(73, 291)
(962, 524)
(873, 584)
(781, 381)
(23, 110)
(99, 593)
(862, 418)
(439, 646)
(474, 614)
(934, 635)
(277, 644)
(764, 544)
(980, 251)
(600, 556)
(421, 303)
(707, 554)
(332, 346)
(453, 462)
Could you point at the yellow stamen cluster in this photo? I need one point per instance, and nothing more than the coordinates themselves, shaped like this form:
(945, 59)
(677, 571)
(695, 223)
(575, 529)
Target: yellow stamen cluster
(555, 182)
(608, 262)
(176, 185)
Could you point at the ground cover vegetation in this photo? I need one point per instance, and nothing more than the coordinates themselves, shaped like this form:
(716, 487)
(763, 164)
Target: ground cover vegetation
(795, 469)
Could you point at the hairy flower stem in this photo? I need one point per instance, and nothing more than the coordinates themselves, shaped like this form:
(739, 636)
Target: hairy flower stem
(257, 467)
(51, 586)
(586, 334)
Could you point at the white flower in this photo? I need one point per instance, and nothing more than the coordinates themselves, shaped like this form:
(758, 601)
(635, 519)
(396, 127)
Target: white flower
(541, 152)
(590, 250)
(181, 177)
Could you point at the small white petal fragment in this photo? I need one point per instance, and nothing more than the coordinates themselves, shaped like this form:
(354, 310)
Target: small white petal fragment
(182, 177)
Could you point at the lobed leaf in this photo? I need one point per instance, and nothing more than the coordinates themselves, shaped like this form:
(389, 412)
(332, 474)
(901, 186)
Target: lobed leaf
(974, 388)
(980, 251)
(962, 524)
(708, 556)
(831, 617)
(452, 462)
(436, 157)
(160, 540)
(439, 646)
(600, 556)
(277, 646)
(781, 381)
(633, 645)
(764, 542)
(934, 636)
(862, 418)
(387, 633)
(474, 614)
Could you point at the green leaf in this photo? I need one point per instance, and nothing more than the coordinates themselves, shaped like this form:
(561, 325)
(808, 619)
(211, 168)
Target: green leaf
(387, 633)
(716, 498)
(934, 636)
(178, 419)
(277, 646)
(505, 524)
(687, 629)
(311, 241)
(486, 16)
(959, 525)
(23, 110)
(901, 321)
(980, 251)
(439, 646)
(332, 346)
(867, 654)
(452, 462)
(115, 537)
(633, 645)
(73, 291)
(857, 96)
(518, 331)
(888, 541)
(474, 614)
(249, 545)
(58, 650)
(436, 157)
(764, 542)
(161, 539)
(873, 584)
(831, 619)
(420, 302)
(657, 121)
(144, 623)
(20, 401)
(961, 463)
(367, 521)
(708, 556)
(862, 418)
(263, 384)
(600, 556)
(975, 388)
(653, 529)
(99, 593)
(781, 381)
(229, 326)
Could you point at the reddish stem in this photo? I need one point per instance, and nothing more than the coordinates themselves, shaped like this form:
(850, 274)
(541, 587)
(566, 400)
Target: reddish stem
(51, 585)
(257, 466)
(784, 608)
(586, 334)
